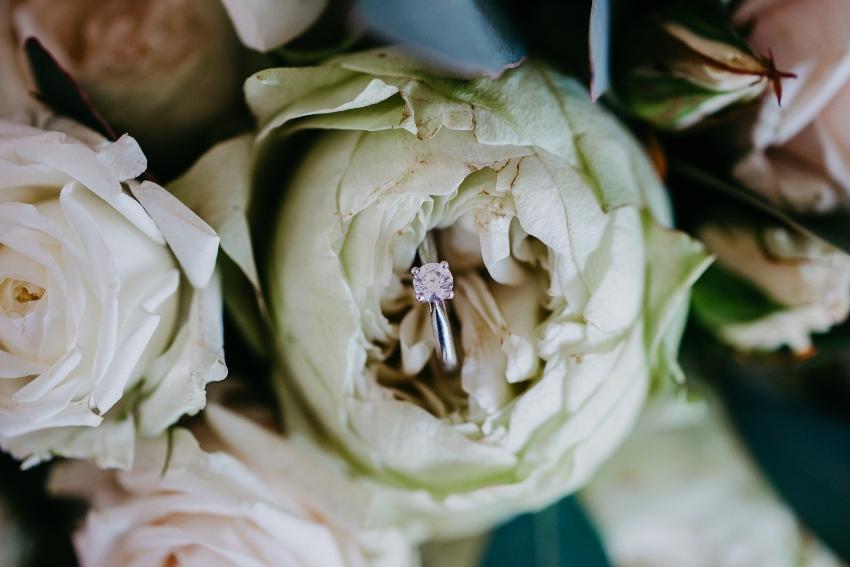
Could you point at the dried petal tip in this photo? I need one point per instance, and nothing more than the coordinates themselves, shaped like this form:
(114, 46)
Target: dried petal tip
(775, 76)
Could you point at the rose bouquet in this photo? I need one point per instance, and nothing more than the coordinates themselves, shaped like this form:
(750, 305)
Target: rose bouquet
(484, 276)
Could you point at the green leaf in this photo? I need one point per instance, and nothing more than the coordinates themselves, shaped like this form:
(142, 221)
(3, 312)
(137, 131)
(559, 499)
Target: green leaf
(803, 452)
(722, 298)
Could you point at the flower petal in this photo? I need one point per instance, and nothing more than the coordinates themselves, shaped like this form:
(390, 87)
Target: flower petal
(266, 24)
(194, 242)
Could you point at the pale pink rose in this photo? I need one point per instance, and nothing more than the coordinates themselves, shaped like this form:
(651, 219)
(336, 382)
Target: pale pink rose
(249, 506)
(801, 149)
(162, 70)
(809, 278)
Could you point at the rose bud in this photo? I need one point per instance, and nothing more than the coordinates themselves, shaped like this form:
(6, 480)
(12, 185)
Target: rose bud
(687, 63)
(771, 287)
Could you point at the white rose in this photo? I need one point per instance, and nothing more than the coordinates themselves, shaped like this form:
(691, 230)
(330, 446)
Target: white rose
(808, 280)
(161, 70)
(681, 493)
(801, 149)
(261, 503)
(571, 290)
(108, 307)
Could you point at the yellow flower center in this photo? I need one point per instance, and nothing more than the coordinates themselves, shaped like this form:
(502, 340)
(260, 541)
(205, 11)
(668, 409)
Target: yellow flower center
(18, 297)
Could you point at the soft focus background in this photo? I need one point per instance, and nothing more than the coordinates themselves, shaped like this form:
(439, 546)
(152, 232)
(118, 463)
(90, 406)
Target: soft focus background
(755, 472)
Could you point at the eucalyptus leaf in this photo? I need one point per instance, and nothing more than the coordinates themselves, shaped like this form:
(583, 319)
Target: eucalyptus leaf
(559, 536)
(600, 48)
(804, 453)
(467, 37)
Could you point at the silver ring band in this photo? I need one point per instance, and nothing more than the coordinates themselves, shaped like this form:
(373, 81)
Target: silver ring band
(433, 284)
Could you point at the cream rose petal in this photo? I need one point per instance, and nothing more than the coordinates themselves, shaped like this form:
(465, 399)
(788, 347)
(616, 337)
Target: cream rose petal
(266, 24)
(177, 379)
(90, 295)
(193, 241)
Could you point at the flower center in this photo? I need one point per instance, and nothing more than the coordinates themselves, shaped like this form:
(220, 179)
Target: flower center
(18, 297)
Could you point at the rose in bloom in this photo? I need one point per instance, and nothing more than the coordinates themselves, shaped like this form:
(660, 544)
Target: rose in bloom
(802, 286)
(681, 493)
(246, 504)
(801, 151)
(137, 60)
(110, 317)
(570, 286)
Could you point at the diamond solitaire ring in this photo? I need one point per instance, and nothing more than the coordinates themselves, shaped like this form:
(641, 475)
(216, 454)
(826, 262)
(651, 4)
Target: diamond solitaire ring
(433, 284)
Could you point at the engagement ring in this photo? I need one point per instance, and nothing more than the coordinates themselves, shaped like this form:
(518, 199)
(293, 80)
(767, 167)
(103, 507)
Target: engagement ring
(433, 284)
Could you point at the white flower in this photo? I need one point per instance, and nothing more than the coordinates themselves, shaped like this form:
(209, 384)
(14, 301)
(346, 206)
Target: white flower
(108, 304)
(681, 493)
(808, 280)
(801, 150)
(260, 503)
(161, 70)
(571, 290)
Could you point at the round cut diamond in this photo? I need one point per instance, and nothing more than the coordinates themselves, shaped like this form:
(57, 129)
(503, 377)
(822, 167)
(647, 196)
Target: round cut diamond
(433, 282)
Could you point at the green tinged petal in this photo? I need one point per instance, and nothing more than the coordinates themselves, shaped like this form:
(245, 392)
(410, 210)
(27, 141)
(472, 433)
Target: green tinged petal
(218, 189)
(523, 179)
